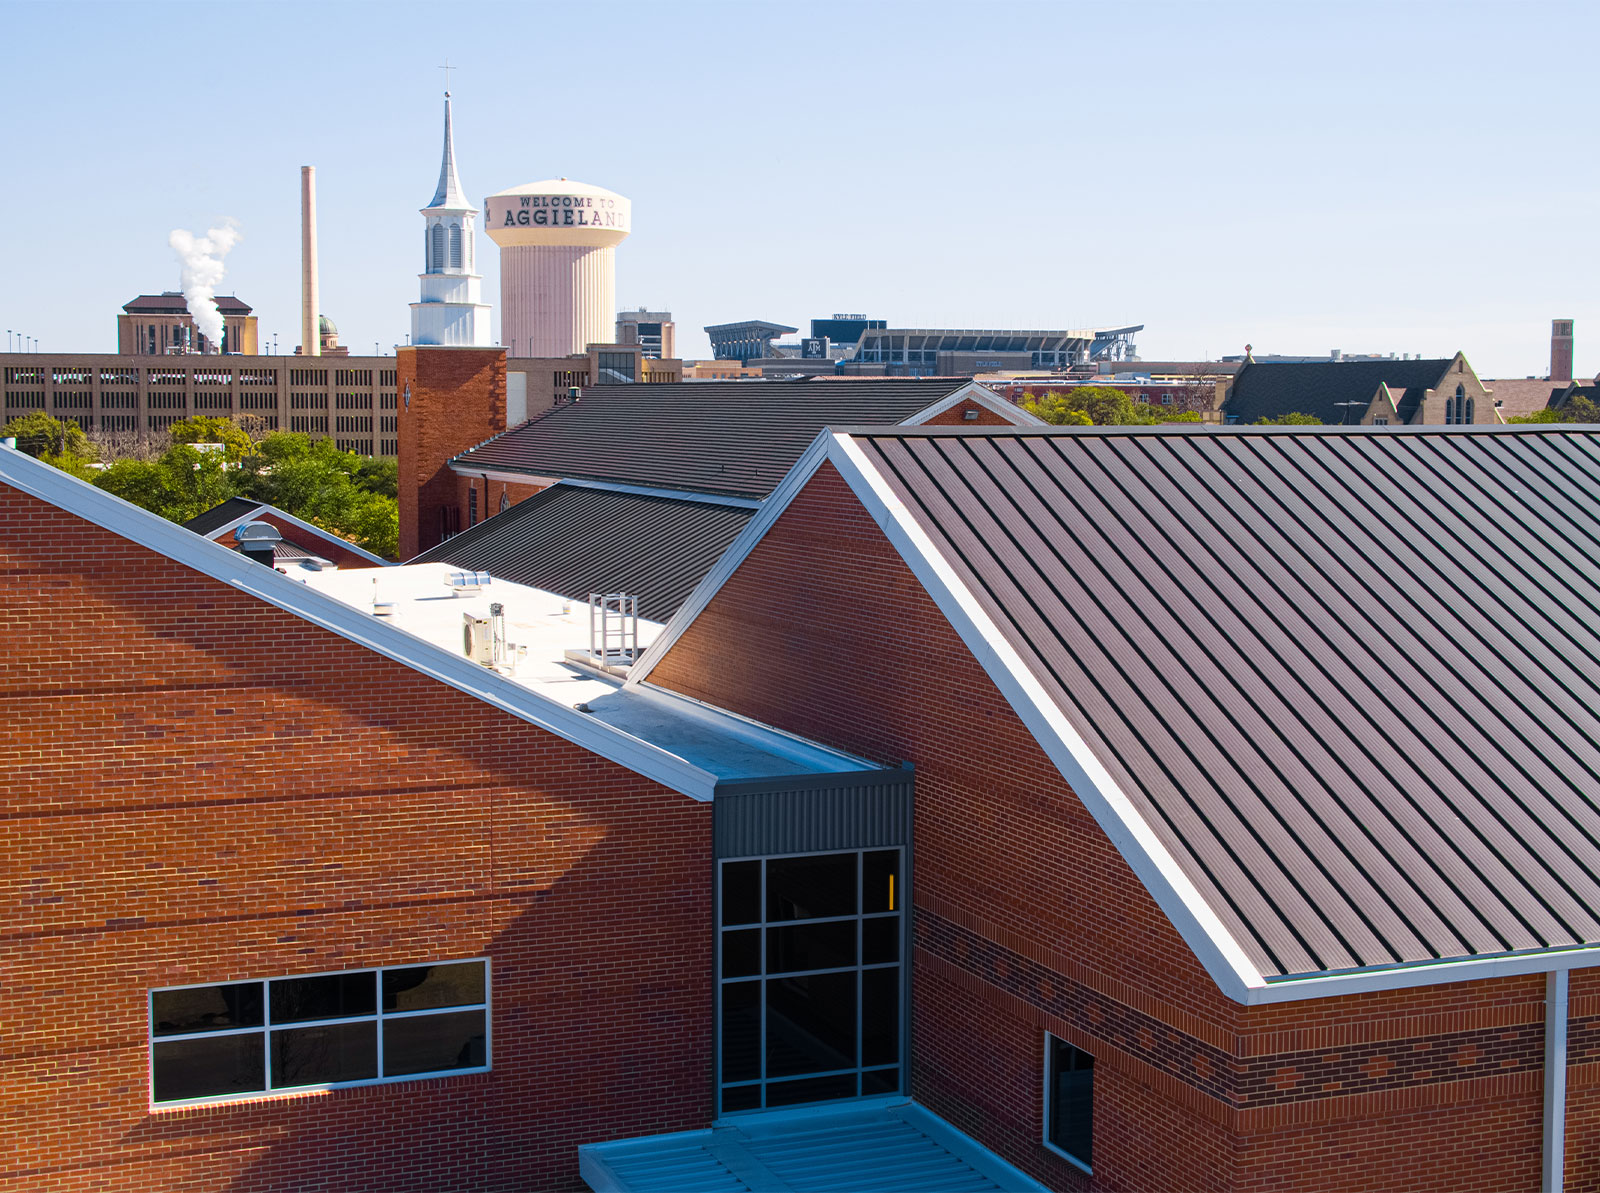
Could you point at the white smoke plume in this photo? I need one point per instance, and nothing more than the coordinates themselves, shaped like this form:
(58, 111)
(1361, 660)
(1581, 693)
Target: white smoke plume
(201, 258)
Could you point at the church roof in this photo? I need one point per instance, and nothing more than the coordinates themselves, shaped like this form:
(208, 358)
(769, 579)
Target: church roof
(1334, 391)
(449, 194)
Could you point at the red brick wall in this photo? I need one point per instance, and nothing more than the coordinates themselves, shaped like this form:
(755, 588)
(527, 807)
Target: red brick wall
(957, 416)
(1027, 919)
(458, 399)
(200, 787)
(489, 493)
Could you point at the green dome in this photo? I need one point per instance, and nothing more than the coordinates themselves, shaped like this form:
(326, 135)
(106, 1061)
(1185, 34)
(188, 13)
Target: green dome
(325, 326)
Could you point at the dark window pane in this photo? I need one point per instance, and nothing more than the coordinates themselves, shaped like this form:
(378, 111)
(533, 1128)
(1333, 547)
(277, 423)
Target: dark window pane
(433, 986)
(323, 1055)
(1071, 1100)
(434, 1043)
(811, 1023)
(811, 946)
(880, 940)
(741, 1097)
(741, 953)
(741, 1031)
(206, 1008)
(881, 1081)
(339, 996)
(880, 881)
(741, 892)
(880, 1016)
(208, 1068)
(800, 888)
(812, 1089)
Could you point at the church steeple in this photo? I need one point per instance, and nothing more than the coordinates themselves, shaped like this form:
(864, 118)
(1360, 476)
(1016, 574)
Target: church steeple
(449, 195)
(450, 311)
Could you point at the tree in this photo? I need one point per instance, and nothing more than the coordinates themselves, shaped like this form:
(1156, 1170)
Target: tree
(182, 484)
(39, 435)
(1100, 406)
(199, 428)
(1293, 419)
(350, 495)
(1576, 409)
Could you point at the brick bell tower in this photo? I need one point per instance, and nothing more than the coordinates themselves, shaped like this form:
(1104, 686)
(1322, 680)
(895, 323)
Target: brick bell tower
(1561, 349)
(450, 399)
(451, 383)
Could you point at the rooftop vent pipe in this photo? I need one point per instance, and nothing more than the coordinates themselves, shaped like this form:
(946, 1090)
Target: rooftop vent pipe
(258, 541)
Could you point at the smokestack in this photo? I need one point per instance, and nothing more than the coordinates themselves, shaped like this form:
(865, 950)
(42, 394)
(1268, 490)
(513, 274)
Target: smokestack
(310, 324)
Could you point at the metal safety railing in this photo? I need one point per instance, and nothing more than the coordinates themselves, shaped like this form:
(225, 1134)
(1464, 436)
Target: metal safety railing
(613, 628)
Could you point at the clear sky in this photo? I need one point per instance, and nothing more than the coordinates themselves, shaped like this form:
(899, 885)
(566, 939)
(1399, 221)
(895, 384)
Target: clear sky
(1405, 177)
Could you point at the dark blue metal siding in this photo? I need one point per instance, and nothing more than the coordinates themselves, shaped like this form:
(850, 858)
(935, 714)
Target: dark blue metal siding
(813, 814)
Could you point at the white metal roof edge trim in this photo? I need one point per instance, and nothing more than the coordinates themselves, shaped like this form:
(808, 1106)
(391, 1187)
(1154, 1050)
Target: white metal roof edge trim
(501, 474)
(985, 397)
(1431, 973)
(744, 503)
(723, 569)
(230, 567)
(1176, 895)
(326, 536)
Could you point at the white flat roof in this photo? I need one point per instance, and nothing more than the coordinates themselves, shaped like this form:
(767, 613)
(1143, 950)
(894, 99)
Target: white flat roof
(544, 626)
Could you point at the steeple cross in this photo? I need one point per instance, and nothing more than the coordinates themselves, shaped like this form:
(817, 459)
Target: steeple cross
(447, 68)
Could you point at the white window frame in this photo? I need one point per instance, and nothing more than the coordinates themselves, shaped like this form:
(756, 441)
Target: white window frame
(1049, 1099)
(268, 1090)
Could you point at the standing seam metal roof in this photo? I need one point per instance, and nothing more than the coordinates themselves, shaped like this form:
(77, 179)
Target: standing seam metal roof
(1347, 677)
(731, 438)
(576, 541)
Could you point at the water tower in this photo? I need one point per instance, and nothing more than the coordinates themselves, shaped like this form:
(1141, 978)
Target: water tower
(558, 269)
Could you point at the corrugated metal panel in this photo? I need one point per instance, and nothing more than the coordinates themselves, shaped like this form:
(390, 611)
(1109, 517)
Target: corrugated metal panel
(575, 541)
(731, 438)
(1349, 678)
(874, 1146)
(813, 813)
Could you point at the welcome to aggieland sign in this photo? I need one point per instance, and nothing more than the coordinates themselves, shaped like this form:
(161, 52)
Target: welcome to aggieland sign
(608, 213)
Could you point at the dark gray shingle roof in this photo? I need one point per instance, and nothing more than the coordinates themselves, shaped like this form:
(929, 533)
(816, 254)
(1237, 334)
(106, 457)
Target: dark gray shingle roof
(220, 515)
(1351, 679)
(732, 438)
(576, 541)
(1320, 388)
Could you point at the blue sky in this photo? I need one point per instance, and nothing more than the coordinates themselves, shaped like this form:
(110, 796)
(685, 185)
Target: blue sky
(1406, 177)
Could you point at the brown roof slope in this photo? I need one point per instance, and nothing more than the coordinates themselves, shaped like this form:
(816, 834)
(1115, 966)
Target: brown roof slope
(731, 438)
(1349, 678)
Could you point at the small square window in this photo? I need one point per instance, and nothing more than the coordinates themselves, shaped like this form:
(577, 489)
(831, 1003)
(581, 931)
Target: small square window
(1069, 1101)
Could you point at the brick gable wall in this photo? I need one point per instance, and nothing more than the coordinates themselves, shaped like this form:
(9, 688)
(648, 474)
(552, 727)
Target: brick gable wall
(458, 399)
(1028, 920)
(201, 787)
(956, 416)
